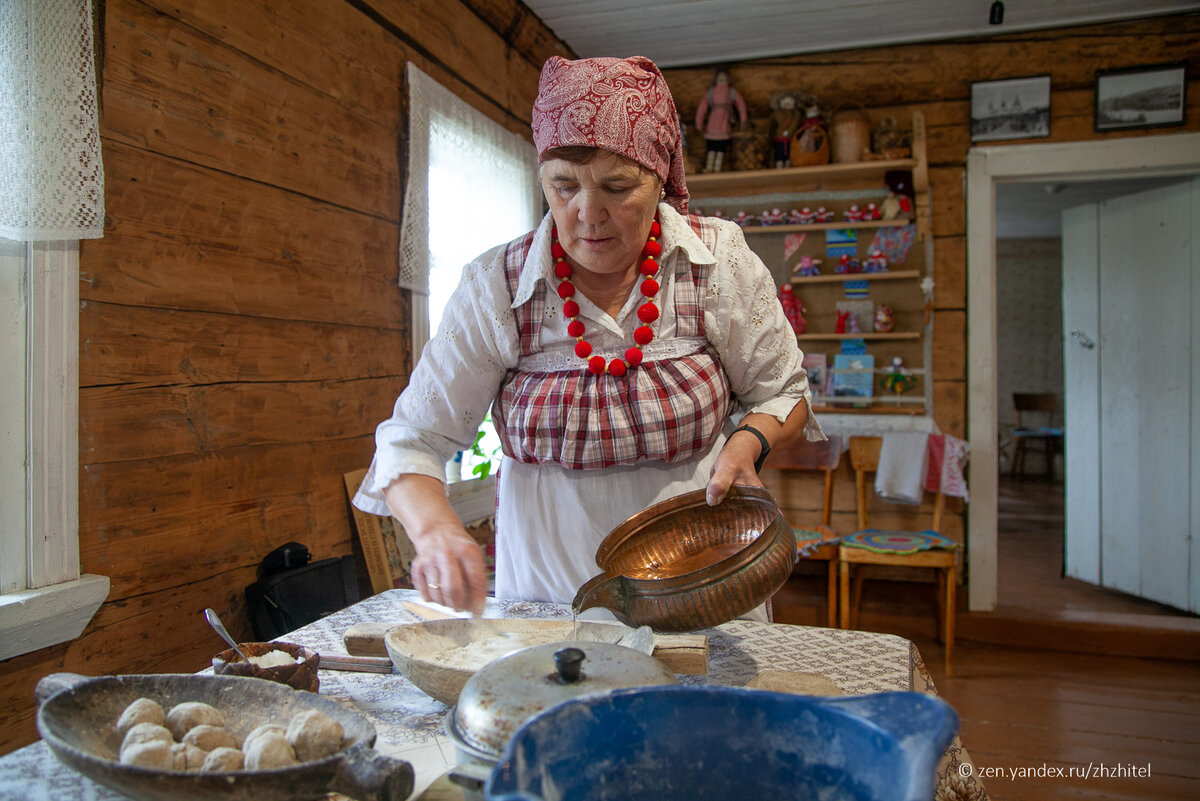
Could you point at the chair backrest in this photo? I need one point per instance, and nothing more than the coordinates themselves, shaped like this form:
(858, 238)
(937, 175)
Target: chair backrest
(800, 454)
(1044, 403)
(864, 458)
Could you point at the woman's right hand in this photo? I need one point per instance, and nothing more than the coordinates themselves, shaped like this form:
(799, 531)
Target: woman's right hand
(448, 568)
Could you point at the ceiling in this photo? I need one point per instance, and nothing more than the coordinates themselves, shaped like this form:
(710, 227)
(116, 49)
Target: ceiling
(677, 33)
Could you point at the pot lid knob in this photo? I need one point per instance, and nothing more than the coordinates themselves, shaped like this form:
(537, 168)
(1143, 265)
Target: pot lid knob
(569, 664)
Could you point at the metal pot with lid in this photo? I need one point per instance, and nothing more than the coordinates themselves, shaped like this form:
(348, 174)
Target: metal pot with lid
(507, 692)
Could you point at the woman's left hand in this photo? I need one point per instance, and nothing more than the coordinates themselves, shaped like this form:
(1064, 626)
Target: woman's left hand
(734, 465)
(735, 462)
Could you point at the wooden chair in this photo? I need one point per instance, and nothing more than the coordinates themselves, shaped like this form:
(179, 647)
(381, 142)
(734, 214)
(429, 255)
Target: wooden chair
(825, 457)
(1043, 406)
(864, 458)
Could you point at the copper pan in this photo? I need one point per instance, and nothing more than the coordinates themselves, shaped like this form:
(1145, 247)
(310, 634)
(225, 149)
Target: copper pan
(682, 565)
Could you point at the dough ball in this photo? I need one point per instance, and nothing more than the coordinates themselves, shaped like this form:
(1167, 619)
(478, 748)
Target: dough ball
(222, 759)
(154, 754)
(146, 733)
(268, 751)
(186, 716)
(188, 757)
(209, 738)
(314, 734)
(143, 710)
(266, 728)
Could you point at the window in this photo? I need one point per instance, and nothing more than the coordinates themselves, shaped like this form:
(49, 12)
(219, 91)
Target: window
(51, 195)
(40, 417)
(472, 185)
(43, 597)
(12, 416)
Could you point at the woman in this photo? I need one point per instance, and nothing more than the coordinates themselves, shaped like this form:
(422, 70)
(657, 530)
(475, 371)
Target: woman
(615, 344)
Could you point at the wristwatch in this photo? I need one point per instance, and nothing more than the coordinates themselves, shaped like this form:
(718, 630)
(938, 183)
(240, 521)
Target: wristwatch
(766, 446)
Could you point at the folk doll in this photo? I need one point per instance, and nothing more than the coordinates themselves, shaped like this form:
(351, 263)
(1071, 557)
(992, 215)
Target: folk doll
(714, 119)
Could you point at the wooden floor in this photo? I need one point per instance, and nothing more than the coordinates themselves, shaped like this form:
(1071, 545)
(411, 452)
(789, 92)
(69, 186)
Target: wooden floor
(1029, 711)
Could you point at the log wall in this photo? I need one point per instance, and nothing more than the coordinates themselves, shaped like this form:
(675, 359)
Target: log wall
(936, 79)
(241, 330)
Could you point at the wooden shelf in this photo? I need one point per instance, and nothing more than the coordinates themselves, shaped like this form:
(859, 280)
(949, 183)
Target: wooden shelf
(751, 182)
(785, 228)
(838, 185)
(891, 275)
(872, 335)
(826, 408)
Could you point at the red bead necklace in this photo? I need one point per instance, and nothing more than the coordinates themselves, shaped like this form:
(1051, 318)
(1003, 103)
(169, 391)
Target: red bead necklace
(647, 312)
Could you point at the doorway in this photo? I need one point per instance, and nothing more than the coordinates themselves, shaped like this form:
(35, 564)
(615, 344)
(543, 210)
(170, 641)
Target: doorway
(1142, 158)
(1031, 270)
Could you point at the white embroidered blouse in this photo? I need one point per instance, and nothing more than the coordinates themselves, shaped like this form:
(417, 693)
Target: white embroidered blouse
(550, 519)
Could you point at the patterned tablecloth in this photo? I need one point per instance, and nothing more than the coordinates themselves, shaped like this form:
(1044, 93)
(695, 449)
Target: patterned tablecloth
(409, 723)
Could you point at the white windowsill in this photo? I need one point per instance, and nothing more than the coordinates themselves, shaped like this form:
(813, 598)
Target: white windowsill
(35, 619)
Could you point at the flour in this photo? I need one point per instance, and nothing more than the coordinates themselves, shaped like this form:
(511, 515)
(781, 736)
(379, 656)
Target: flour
(275, 658)
(475, 655)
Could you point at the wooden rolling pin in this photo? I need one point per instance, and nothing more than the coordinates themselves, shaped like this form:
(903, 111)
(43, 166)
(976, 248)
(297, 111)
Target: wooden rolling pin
(681, 653)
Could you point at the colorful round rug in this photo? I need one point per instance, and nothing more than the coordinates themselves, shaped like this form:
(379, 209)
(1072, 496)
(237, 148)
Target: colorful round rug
(897, 541)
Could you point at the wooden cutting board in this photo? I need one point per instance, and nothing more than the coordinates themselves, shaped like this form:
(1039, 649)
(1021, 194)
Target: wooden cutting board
(681, 653)
(790, 681)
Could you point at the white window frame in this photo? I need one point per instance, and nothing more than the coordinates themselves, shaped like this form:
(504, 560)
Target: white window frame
(44, 599)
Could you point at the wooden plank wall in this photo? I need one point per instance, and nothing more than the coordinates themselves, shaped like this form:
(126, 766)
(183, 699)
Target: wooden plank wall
(241, 328)
(936, 79)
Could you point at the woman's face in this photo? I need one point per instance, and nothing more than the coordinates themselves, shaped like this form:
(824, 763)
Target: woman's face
(603, 210)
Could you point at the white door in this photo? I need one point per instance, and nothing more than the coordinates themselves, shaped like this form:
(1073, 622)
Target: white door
(1131, 313)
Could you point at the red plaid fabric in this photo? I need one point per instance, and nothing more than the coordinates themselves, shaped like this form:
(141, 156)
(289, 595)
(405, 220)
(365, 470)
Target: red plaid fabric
(526, 313)
(667, 410)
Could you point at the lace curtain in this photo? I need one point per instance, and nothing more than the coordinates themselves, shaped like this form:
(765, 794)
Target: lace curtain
(51, 175)
(471, 185)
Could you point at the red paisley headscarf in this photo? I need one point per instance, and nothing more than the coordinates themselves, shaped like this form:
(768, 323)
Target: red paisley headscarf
(619, 104)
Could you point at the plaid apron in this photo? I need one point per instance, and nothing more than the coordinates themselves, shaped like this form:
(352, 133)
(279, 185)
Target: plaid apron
(665, 410)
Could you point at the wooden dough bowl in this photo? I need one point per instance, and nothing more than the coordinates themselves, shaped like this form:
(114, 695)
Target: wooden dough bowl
(78, 717)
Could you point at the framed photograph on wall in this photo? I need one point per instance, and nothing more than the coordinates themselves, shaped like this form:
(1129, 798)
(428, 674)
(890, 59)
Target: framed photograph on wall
(1141, 97)
(1017, 108)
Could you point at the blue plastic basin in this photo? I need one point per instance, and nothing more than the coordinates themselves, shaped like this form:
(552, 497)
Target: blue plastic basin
(722, 743)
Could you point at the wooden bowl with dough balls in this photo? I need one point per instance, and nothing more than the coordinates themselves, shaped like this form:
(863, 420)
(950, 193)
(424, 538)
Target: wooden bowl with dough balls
(293, 665)
(166, 737)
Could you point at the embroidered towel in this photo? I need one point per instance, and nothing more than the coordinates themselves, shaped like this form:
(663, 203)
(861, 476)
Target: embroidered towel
(947, 458)
(903, 457)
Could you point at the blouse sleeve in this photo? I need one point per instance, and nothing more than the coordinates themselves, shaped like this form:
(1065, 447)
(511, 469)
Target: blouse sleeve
(745, 323)
(455, 380)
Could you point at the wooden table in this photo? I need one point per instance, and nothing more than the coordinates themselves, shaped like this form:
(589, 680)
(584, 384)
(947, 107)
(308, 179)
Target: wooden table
(409, 723)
